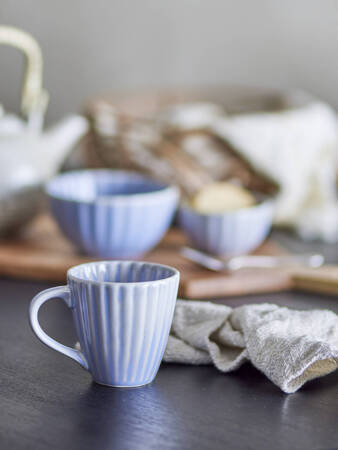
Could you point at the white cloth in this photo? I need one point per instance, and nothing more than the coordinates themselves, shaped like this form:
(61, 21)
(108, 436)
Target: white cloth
(290, 347)
(297, 148)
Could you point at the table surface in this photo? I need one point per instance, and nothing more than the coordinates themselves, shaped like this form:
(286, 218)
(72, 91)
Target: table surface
(49, 402)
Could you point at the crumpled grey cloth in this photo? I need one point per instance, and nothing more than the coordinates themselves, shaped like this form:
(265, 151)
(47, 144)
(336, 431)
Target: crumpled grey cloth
(290, 347)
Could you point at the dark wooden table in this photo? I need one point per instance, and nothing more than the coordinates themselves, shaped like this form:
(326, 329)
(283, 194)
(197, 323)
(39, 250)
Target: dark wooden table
(48, 402)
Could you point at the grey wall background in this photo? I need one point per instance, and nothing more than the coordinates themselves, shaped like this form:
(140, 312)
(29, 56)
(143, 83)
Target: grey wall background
(94, 46)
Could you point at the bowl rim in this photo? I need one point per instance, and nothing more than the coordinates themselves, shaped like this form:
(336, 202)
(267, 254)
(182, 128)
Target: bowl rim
(174, 273)
(168, 190)
(268, 201)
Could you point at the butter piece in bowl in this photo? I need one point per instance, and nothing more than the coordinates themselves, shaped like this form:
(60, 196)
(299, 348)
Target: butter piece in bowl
(221, 197)
(225, 219)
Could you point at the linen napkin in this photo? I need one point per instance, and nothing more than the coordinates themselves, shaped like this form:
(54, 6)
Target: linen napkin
(297, 148)
(290, 347)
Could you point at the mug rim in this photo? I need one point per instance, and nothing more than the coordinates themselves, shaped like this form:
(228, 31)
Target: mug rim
(70, 276)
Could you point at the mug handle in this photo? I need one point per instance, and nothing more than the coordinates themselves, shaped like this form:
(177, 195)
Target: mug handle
(62, 292)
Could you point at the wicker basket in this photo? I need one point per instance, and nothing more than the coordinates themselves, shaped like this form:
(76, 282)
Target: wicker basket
(132, 131)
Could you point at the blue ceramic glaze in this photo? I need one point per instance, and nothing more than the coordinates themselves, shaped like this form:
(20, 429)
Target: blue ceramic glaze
(122, 312)
(231, 233)
(112, 214)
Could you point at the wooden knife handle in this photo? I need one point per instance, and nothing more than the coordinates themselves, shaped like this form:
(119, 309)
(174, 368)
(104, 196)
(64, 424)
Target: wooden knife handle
(323, 280)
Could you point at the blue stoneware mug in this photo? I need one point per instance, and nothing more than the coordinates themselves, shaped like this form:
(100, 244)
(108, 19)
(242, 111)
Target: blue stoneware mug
(122, 311)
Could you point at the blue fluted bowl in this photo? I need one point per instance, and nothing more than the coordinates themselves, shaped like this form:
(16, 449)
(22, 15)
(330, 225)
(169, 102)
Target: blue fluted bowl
(112, 214)
(231, 233)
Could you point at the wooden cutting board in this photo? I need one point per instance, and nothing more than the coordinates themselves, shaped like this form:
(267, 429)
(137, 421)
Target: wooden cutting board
(40, 252)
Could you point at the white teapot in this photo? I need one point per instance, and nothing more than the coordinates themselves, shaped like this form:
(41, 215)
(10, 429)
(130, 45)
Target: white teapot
(29, 155)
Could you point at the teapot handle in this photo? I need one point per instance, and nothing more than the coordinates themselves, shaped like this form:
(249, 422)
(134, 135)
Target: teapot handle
(34, 98)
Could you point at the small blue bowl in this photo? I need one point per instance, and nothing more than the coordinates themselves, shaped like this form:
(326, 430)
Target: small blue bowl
(112, 214)
(231, 233)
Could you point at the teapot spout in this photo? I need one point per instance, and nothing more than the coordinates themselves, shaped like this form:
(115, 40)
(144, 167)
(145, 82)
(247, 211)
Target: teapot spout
(61, 138)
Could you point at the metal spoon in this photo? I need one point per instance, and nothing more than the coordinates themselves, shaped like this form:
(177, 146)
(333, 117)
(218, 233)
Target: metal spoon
(219, 264)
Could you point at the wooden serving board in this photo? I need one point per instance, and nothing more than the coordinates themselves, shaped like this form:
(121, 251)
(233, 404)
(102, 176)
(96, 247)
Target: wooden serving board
(40, 252)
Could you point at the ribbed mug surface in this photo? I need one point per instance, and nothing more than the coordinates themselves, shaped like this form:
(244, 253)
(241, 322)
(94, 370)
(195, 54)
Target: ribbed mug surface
(123, 313)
